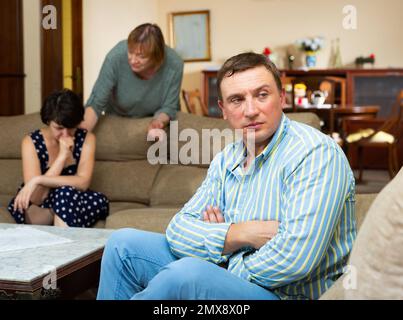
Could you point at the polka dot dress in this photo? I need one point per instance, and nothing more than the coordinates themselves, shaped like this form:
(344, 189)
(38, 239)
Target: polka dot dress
(74, 207)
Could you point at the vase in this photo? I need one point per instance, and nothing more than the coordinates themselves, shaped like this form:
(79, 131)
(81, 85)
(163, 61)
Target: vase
(337, 57)
(310, 59)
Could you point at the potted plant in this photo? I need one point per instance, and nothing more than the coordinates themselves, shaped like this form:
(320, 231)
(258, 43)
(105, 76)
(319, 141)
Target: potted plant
(361, 61)
(310, 46)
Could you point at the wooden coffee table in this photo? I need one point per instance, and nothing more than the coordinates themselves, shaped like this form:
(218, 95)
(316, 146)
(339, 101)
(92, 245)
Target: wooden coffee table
(59, 271)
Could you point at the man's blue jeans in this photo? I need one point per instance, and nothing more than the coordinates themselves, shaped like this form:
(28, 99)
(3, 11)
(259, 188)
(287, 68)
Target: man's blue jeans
(139, 265)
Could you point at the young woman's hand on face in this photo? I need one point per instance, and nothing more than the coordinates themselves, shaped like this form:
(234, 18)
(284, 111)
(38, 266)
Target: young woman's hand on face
(66, 145)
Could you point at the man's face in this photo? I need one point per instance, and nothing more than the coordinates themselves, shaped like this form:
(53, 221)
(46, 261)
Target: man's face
(138, 61)
(251, 101)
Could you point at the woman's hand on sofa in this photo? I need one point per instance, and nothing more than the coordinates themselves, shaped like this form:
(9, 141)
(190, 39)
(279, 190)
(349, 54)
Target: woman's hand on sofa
(156, 135)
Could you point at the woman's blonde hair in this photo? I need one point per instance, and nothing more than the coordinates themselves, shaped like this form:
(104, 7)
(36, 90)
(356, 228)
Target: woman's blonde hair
(148, 37)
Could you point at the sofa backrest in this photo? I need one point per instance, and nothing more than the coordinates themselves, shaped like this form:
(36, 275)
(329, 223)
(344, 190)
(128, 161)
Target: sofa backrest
(122, 171)
(12, 131)
(308, 118)
(221, 129)
(120, 139)
(175, 184)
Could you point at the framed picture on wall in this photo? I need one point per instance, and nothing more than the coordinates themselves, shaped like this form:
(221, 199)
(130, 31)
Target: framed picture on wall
(190, 35)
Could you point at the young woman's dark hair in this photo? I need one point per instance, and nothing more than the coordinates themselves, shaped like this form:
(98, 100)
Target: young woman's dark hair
(63, 107)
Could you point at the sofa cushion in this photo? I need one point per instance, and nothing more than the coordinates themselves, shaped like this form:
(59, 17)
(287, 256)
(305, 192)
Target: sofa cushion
(377, 255)
(121, 206)
(128, 181)
(5, 216)
(149, 219)
(175, 185)
(10, 176)
(100, 224)
(120, 138)
(13, 129)
(4, 200)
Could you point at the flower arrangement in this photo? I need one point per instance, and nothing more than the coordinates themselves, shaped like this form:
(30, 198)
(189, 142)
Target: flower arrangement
(311, 44)
(360, 61)
(270, 54)
(267, 52)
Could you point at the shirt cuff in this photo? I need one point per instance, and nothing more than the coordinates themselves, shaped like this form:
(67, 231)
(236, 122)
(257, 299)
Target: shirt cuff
(215, 240)
(242, 272)
(168, 112)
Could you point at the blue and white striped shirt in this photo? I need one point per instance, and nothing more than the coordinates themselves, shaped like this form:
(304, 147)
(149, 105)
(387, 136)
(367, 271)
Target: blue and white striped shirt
(303, 180)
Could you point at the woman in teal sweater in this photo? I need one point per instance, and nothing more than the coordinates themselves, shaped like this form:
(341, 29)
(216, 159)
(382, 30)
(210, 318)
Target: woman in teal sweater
(140, 77)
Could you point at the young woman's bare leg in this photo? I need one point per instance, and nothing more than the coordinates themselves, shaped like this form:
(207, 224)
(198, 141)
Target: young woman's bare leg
(59, 222)
(38, 215)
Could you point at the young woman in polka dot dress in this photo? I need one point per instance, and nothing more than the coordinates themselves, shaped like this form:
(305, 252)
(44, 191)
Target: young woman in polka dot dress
(58, 162)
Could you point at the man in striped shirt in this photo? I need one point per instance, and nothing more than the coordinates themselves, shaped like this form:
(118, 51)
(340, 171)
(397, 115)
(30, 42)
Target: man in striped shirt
(275, 223)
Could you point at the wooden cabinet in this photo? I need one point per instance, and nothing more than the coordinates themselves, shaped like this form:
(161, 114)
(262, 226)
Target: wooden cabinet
(375, 87)
(363, 86)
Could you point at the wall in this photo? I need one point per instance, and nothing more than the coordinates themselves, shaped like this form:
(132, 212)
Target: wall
(32, 54)
(235, 26)
(106, 22)
(244, 25)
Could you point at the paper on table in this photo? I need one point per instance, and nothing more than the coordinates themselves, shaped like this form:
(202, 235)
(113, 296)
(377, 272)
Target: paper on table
(20, 238)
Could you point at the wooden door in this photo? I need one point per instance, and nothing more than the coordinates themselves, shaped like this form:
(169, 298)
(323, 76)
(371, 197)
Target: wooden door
(52, 53)
(61, 69)
(77, 46)
(11, 58)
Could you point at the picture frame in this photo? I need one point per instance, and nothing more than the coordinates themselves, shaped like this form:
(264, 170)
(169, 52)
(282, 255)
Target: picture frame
(190, 35)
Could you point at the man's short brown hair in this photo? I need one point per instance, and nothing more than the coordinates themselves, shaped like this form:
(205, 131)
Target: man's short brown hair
(245, 61)
(150, 40)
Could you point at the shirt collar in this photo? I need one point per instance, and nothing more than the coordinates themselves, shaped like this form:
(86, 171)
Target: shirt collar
(277, 138)
(239, 151)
